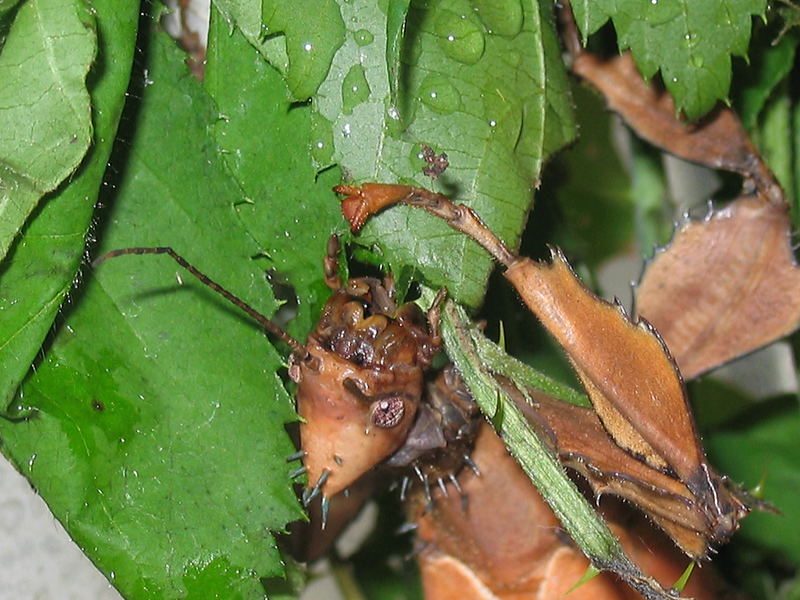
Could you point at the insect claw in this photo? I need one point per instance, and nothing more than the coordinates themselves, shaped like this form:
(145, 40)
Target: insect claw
(443, 487)
(406, 527)
(457, 485)
(417, 549)
(471, 464)
(296, 456)
(310, 494)
(404, 488)
(326, 505)
(297, 472)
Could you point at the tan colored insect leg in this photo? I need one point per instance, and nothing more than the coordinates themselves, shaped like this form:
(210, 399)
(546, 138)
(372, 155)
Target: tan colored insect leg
(330, 265)
(370, 198)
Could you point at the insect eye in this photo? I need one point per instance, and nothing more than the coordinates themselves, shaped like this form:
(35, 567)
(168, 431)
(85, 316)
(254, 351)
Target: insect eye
(387, 412)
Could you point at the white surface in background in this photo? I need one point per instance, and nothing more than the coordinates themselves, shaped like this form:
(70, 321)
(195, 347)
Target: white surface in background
(38, 561)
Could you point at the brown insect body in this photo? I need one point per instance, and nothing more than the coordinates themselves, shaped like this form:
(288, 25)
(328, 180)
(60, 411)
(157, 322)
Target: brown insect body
(360, 376)
(360, 386)
(441, 440)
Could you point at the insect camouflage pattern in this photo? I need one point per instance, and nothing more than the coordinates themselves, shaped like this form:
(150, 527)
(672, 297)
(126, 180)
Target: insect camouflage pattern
(370, 402)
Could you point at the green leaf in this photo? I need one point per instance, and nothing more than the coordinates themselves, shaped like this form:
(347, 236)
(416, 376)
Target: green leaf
(794, 141)
(284, 205)
(310, 41)
(6, 6)
(690, 42)
(766, 449)
(598, 218)
(485, 86)
(41, 266)
(299, 39)
(769, 66)
(158, 438)
(775, 146)
(45, 118)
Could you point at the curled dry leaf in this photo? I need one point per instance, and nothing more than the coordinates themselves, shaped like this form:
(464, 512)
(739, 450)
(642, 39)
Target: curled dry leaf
(718, 141)
(579, 439)
(744, 249)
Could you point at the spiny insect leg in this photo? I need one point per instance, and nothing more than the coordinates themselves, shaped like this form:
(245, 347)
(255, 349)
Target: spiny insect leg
(310, 494)
(463, 496)
(404, 488)
(326, 505)
(406, 527)
(425, 484)
(296, 456)
(471, 464)
(297, 472)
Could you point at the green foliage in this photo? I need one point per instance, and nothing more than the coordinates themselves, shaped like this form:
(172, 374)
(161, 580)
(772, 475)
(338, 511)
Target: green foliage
(45, 117)
(690, 43)
(152, 417)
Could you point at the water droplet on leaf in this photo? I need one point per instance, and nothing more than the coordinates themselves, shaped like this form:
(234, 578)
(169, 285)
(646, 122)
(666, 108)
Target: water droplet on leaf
(501, 17)
(321, 141)
(355, 89)
(460, 35)
(363, 37)
(439, 94)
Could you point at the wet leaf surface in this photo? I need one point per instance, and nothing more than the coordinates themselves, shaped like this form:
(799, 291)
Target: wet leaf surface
(690, 43)
(45, 118)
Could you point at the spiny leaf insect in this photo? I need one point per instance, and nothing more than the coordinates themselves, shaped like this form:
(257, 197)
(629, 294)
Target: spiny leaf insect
(360, 375)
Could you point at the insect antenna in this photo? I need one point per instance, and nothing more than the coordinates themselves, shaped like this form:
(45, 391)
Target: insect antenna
(298, 349)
